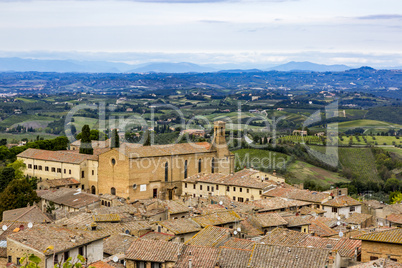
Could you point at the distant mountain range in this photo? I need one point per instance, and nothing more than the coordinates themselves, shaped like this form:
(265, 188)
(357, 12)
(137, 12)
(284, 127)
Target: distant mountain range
(63, 66)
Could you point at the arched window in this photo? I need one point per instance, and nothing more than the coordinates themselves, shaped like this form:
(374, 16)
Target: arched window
(93, 190)
(199, 165)
(113, 191)
(185, 169)
(213, 165)
(166, 171)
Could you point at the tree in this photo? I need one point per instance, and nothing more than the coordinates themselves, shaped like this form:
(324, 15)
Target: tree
(147, 141)
(7, 174)
(115, 140)
(19, 167)
(86, 146)
(392, 184)
(17, 194)
(396, 198)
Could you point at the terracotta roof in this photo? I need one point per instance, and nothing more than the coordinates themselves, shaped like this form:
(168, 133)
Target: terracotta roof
(157, 236)
(204, 257)
(233, 257)
(395, 218)
(154, 251)
(41, 236)
(176, 206)
(270, 256)
(238, 243)
(342, 201)
(94, 143)
(69, 197)
(294, 221)
(320, 229)
(388, 236)
(139, 151)
(311, 211)
(181, 226)
(284, 237)
(383, 263)
(117, 243)
(106, 218)
(100, 264)
(61, 182)
(56, 156)
(241, 178)
(28, 214)
(210, 236)
(217, 218)
(374, 204)
(268, 220)
(358, 218)
(276, 203)
(297, 194)
(249, 229)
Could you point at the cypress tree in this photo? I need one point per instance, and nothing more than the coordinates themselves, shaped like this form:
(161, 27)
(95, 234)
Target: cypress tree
(147, 141)
(86, 145)
(115, 140)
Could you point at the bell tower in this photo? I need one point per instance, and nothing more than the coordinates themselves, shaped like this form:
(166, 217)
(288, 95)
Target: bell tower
(224, 161)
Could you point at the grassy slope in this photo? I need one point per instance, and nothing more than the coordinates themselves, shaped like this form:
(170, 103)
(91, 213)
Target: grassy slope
(361, 161)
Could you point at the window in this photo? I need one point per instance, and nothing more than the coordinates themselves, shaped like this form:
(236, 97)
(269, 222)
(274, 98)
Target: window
(234, 198)
(241, 190)
(201, 187)
(156, 264)
(335, 210)
(213, 165)
(81, 251)
(185, 185)
(18, 261)
(393, 259)
(82, 174)
(29, 165)
(208, 188)
(93, 190)
(212, 189)
(217, 187)
(248, 190)
(227, 188)
(65, 171)
(260, 192)
(46, 168)
(234, 189)
(35, 166)
(240, 199)
(181, 239)
(199, 165)
(113, 161)
(166, 171)
(113, 191)
(141, 264)
(339, 192)
(59, 170)
(247, 199)
(10, 259)
(194, 186)
(69, 171)
(352, 209)
(93, 172)
(185, 169)
(373, 258)
(66, 255)
(53, 169)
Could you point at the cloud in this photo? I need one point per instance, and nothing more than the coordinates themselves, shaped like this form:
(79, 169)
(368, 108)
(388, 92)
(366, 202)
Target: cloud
(381, 17)
(213, 21)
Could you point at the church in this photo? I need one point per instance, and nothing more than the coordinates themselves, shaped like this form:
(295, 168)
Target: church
(134, 171)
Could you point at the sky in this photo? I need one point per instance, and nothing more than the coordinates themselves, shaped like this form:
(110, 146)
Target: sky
(243, 32)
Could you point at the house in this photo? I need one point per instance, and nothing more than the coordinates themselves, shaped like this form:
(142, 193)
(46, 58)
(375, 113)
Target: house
(299, 132)
(54, 244)
(211, 236)
(381, 244)
(242, 186)
(267, 221)
(182, 229)
(383, 263)
(75, 146)
(278, 204)
(343, 205)
(152, 253)
(31, 214)
(177, 209)
(193, 132)
(227, 219)
(67, 200)
(117, 244)
(197, 256)
(298, 223)
(157, 236)
(359, 220)
(395, 220)
(58, 183)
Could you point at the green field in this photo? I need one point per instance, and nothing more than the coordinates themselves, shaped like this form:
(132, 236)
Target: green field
(299, 172)
(375, 140)
(373, 126)
(23, 118)
(361, 161)
(304, 139)
(79, 122)
(12, 138)
(397, 151)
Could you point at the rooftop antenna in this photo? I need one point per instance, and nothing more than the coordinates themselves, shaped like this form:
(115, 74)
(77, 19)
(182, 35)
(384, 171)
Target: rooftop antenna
(115, 259)
(4, 227)
(30, 225)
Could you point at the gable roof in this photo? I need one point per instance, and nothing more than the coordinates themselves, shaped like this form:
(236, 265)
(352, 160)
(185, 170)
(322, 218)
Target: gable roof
(69, 197)
(53, 183)
(157, 236)
(319, 228)
(270, 256)
(268, 220)
(181, 226)
(117, 243)
(388, 236)
(395, 218)
(358, 218)
(153, 250)
(342, 201)
(233, 257)
(284, 237)
(211, 236)
(239, 243)
(200, 256)
(27, 214)
(217, 218)
(276, 203)
(65, 156)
